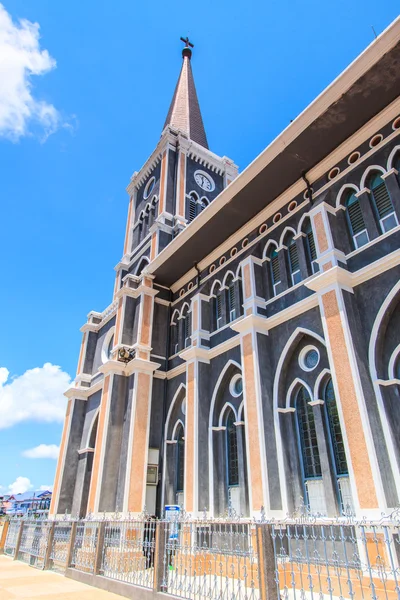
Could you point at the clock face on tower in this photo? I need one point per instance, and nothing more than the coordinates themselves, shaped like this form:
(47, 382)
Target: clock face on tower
(204, 181)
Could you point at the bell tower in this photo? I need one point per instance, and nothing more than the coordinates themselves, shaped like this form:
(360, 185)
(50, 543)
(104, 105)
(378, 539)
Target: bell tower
(179, 180)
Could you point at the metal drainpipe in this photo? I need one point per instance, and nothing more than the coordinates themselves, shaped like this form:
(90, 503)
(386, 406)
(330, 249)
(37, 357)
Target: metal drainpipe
(309, 188)
(161, 459)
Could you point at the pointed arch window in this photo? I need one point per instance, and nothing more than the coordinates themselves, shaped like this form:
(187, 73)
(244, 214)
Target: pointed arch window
(335, 430)
(231, 301)
(294, 263)
(356, 221)
(180, 459)
(274, 270)
(311, 249)
(307, 436)
(232, 450)
(192, 207)
(382, 203)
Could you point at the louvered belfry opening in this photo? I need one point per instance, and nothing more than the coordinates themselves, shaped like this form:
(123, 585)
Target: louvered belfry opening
(231, 301)
(218, 309)
(274, 269)
(294, 261)
(192, 207)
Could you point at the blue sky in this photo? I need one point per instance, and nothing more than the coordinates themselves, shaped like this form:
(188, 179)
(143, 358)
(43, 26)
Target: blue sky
(91, 116)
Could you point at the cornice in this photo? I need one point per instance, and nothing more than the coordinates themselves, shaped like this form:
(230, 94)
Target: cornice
(196, 353)
(336, 276)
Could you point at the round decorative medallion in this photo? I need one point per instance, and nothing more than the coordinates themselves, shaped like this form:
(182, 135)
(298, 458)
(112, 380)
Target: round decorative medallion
(236, 385)
(309, 358)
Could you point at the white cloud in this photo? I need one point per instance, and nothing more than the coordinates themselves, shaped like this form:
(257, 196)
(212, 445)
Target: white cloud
(20, 58)
(42, 451)
(45, 488)
(20, 485)
(36, 395)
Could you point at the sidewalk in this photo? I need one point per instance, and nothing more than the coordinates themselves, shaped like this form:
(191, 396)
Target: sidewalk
(18, 580)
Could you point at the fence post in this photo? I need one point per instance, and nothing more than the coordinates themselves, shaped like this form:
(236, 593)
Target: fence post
(266, 563)
(70, 545)
(99, 548)
(50, 536)
(160, 558)
(3, 537)
(18, 541)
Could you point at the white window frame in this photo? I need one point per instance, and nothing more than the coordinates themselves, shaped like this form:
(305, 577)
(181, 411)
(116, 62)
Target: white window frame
(393, 213)
(314, 266)
(293, 277)
(357, 235)
(106, 343)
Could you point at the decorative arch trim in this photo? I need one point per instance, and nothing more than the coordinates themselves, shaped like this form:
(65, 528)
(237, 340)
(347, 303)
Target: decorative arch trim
(392, 362)
(325, 374)
(227, 406)
(92, 424)
(285, 233)
(181, 388)
(291, 393)
(301, 222)
(345, 188)
(179, 422)
(226, 277)
(217, 281)
(181, 314)
(392, 155)
(176, 312)
(368, 171)
(267, 247)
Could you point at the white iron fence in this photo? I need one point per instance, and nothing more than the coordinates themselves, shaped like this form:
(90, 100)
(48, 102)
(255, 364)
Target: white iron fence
(234, 559)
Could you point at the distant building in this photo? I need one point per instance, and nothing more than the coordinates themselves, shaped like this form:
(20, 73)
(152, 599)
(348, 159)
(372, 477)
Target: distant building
(251, 353)
(28, 502)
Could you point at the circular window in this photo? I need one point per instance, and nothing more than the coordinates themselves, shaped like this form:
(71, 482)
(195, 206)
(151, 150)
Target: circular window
(292, 206)
(309, 358)
(149, 187)
(182, 292)
(353, 158)
(396, 123)
(245, 243)
(333, 173)
(306, 194)
(376, 140)
(108, 344)
(212, 268)
(233, 251)
(262, 228)
(236, 385)
(222, 260)
(277, 217)
(190, 286)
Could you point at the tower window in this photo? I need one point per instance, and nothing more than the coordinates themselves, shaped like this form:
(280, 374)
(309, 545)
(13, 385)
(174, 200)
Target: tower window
(356, 221)
(382, 203)
(192, 207)
(232, 450)
(186, 330)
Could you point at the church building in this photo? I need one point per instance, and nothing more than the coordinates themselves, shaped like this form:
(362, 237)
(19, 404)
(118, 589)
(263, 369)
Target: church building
(250, 357)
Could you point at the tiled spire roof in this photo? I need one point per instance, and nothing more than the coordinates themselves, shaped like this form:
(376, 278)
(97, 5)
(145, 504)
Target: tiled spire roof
(184, 112)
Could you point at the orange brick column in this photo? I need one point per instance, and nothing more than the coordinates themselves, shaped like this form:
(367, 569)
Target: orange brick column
(331, 285)
(142, 370)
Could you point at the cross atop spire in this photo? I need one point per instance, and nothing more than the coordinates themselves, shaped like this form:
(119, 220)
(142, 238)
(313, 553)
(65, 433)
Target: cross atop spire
(184, 113)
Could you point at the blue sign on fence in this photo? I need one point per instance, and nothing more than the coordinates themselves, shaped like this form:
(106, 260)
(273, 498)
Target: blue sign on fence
(171, 514)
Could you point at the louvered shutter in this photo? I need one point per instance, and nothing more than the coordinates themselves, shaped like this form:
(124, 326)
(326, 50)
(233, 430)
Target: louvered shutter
(311, 245)
(192, 209)
(276, 276)
(355, 215)
(218, 308)
(232, 301)
(187, 329)
(293, 257)
(382, 199)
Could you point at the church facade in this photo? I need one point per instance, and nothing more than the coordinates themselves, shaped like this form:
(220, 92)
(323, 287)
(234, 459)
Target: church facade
(251, 353)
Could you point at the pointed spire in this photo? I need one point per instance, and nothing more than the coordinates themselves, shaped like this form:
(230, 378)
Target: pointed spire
(184, 112)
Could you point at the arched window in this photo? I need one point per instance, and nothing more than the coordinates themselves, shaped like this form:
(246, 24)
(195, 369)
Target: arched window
(310, 459)
(274, 270)
(231, 301)
(294, 264)
(339, 459)
(174, 338)
(110, 348)
(311, 250)
(397, 367)
(203, 204)
(356, 221)
(396, 165)
(180, 459)
(192, 206)
(231, 450)
(382, 203)
(218, 309)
